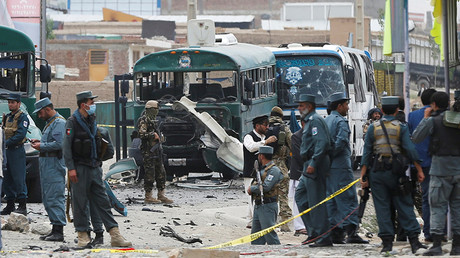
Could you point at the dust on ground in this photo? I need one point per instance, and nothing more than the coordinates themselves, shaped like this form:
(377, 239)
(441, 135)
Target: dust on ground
(214, 216)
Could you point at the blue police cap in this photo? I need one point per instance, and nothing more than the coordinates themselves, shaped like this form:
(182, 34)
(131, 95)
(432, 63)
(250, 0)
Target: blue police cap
(85, 95)
(306, 98)
(265, 150)
(41, 104)
(390, 100)
(14, 96)
(338, 96)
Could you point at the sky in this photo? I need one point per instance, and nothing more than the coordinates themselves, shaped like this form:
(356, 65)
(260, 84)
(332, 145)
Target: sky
(420, 6)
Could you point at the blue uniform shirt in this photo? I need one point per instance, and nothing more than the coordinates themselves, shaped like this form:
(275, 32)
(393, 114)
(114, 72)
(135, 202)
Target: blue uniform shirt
(23, 125)
(404, 138)
(53, 133)
(423, 147)
(315, 140)
(340, 133)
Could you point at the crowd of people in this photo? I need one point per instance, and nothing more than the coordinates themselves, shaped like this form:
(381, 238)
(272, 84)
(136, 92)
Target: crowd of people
(78, 146)
(320, 164)
(307, 166)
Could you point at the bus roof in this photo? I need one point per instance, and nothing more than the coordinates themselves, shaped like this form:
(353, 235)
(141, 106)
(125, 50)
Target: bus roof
(12, 40)
(238, 57)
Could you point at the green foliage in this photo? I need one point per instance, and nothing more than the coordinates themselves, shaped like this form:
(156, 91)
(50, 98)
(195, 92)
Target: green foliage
(49, 29)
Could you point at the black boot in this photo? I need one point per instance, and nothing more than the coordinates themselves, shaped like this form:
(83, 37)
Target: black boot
(338, 236)
(415, 244)
(455, 245)
(324, 242)
(436, 249)
(352, 235)
(98, 239)
(57, 234)
(22, 209)
(387, 243)
(45, 236)
(9, 208)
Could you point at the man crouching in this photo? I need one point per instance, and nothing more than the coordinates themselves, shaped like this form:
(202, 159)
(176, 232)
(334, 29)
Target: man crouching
(264, 192)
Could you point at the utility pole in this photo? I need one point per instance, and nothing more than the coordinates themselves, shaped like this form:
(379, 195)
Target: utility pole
(359, 24)
(191, 9)
(406, 88)
(43, 24)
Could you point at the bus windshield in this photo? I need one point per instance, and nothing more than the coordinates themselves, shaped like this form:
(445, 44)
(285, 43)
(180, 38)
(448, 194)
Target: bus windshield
(210, 86)
(317, 75)
(14, 72)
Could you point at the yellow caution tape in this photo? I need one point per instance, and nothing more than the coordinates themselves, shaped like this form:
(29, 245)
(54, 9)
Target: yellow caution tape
(254, 236)
(113, 126)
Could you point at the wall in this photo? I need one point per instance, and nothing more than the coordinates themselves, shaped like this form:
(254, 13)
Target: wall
(75, 54)
(341, 27)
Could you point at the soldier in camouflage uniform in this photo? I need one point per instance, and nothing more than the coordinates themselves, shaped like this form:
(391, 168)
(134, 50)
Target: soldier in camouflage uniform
(151, 151)
(282, 148)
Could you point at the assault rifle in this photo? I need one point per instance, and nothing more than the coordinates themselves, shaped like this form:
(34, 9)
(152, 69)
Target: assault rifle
(259, 180)
(364, 194)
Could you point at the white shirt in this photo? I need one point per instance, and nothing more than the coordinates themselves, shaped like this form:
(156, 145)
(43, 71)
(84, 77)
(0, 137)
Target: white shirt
(250, 144)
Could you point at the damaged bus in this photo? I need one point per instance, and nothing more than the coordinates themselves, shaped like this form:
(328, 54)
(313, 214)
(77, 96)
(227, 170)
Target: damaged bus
(230, 81)
(322, 69)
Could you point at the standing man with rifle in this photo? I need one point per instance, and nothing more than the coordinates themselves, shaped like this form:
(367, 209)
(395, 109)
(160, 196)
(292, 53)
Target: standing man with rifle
(84, 149)
(385, 140)
(15, 125)
(264, 192)
(152, 154)
(341, 174)
(52, 167)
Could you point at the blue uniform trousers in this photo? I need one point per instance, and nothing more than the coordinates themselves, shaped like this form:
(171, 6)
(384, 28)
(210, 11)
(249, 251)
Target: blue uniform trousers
(308, 193)
(425, 202)
(52, 180)
(96, 220)
(343, 204)
(264, 217)
(15, 175)
(444, 192)
(384, 185)
(90, 186)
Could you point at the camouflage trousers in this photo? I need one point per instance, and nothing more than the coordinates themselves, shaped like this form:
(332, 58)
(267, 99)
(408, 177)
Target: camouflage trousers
(154, 172)
(285, 210)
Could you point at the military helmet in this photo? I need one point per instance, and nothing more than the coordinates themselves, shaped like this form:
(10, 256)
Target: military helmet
(276, 111)
(151, 104)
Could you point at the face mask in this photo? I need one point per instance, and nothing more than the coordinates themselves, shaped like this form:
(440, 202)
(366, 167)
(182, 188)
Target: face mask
(152, 112)
(92, 109)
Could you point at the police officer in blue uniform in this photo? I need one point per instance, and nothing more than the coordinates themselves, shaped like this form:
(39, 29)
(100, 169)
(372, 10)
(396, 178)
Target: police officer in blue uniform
(266, 204)
(83, 150)
(315, 147)
(385, 141)
(444, 188)
(52, 167)
(341, 174)
(15, 125)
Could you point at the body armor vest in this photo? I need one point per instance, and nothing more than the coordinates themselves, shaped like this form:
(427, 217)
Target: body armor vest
(10, 128)
(381, 146)
(249, 157)
(275, 189)
(81, 145)
(445, 141)
(148, 142)
(278, 130)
